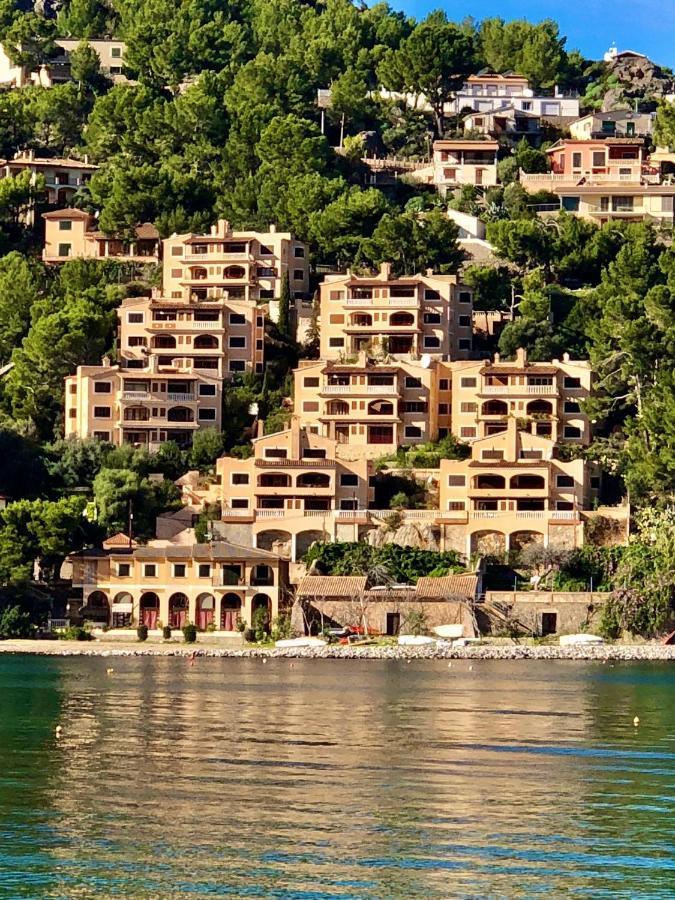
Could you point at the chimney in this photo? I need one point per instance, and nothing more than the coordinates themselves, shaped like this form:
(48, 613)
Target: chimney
(295, 438)
(566, 357)
(521, 356)
(385, 271)
(497, 357)
(273, 229)
(106, 361)
(428, 272)
(260, 430)
(86, 159)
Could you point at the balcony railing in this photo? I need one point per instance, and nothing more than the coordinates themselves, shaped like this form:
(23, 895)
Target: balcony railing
(295, 463)
(538, 389)
(359, 389)
(136, 395)
(180, 398)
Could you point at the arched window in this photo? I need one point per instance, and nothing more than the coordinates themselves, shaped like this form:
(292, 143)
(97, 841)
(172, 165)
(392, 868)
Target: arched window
(235, 272)
(206, 342)
(380, 408)
(180, 414)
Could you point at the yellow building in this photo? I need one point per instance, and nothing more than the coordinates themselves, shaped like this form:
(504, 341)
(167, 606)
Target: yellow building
(73, 233)
(460, 162)
(404, 317)
(372, 408)
(244, 265)
(174, 355)
(546, 397)
(213, 586)
(512, 490)
(295, 489)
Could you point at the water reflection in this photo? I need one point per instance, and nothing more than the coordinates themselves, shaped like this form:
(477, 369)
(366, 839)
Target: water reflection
(324, 779)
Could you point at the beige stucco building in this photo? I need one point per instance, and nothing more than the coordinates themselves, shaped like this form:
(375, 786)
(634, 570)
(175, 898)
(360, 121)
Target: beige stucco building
(460, 162)
(245, 265)
(371, 407)
(512, 490)
(213, 586)
(402, 317)
(56, 69)
(545, 397)
(63, 176)
(296, 488)
(174, 355)
(73, 233)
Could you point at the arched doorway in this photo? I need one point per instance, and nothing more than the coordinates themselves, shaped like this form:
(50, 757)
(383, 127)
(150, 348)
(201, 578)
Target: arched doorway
(261, 611)
(178, 610)
(122, 609)
(275, 540)
(488, 543)
(97, 608)
(206, 606)
(305, 539)
(149, 609)
(520, 539)
(230, 610)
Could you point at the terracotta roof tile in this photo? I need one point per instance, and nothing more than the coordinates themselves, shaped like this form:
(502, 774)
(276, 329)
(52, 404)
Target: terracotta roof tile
(447, 587)
(348, 586)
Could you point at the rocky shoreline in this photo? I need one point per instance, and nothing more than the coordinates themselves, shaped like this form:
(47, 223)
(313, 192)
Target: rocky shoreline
(603, 652)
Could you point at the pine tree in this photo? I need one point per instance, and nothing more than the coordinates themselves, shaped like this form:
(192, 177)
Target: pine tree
(284, 320)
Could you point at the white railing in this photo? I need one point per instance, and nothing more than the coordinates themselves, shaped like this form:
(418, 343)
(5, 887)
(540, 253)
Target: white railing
(530, 514)
(351, 513)
(385, 301)
(564, 514)
(359, 389)
(135, 395)
(272, 513)
(539, 389)
(487, 513)
(236, 513)
(180, 398)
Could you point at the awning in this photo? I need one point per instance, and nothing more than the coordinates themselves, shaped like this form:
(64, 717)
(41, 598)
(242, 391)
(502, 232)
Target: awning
(122, 607)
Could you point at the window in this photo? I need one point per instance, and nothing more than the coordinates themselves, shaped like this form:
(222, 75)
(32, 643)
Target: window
(430, 294)
(310, 406)
(431, 342)
(336, 319)
(413, 431)
(177, 251)
(237, 319)
(571, 204)
(179, 570)
(298, 274)
(240, 478)
(444, 384)
(411, 382)
(237, 343)
(571, 431)
(135, 318)
(526, 105)
(492, 454)
(65, 225)
(116, 52)
(207, 415)
(276, 453)
(572, 383)
(598, 159)
(237, 365)
(564, 481)
(465, 321)
(576, 160)
(468, 407)
(467, 382)
(176, 273)
(349, 480)
(266, 294)
(572, 406)
(64, 249)
(336, 342)
(465, 296)
(466, 432)
(124, 570)
(204, 570)
(299, 252)
(442, 409)
(456, 480)
(456, 505)
(101, 412)
(311, 382)
(313, 453)
(464, 344)
(432, 318)
(137, 341)
(149, 570)
(415, 406)
(239, 503)
(595, 482)
(207, 390)
(102, 387)
(100, 435)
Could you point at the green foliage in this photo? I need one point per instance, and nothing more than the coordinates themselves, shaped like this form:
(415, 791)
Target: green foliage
(535, 51)
(416, 622)
(142, 632)
(413, 243)
(115, 489)
(189, 633)
(211, 513)
(207, 445)
(75, 633)
(15, 623)
(401, 564)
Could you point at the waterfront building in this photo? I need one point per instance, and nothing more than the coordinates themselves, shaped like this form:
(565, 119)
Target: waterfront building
(174, 355)
(244, 265)
(297, 488)
(545, 397)
(459, 162)
(372, 407)
(73, 233)
(404, 317)
(214, 586)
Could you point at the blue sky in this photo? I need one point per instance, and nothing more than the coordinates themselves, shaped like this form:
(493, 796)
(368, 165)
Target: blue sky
(590, 25)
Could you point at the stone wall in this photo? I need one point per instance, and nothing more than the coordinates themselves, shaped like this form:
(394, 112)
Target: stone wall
(378, 613)
(533, 611)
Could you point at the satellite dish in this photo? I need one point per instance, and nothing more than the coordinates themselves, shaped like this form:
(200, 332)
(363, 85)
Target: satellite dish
(425, 362)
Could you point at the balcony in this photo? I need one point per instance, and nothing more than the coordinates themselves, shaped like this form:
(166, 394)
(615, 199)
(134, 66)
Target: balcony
(136, 395)
(180, 398)
(295, 463)
(379, 389)
(519, 389)
(229, 514)
(413, 302)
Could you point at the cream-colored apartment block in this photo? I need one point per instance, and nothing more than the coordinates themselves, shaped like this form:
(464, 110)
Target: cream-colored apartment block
(511, 491)
(545, 397)
(213, 586)
(372, 408)
(403, 317)
(244, 265)
(461, 162)
(71, 233)
(296, 488)
(174, 355)
(56, 68)
(63, 176)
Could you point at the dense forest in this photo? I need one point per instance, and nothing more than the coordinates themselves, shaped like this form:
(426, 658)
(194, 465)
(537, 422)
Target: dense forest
(220, 119)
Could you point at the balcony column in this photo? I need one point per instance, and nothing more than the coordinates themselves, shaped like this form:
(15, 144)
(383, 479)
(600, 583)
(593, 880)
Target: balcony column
(468, 547)
(507, 542)
(192, 609)
(163, 607)
(218, 610)
(294, 547)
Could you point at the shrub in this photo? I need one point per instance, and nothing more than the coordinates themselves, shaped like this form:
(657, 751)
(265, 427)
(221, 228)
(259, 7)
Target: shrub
(142, 632)
(190, 633)
(416, 622)
(166, 633)
(249, 635)
(75, 633)
(282, 628)
(15, 623)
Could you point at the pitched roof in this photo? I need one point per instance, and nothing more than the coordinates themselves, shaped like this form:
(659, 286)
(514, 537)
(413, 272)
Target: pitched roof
(447, 587)
(118, 540)
(348, 586)
(67, 214)
(218, 551)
